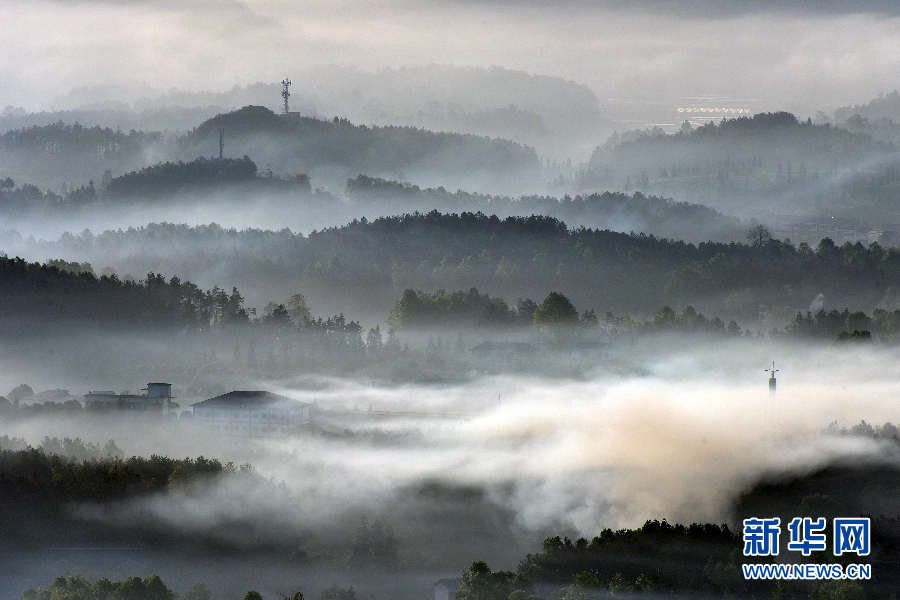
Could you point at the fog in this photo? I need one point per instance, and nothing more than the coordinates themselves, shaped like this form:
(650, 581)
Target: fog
(669, 433)
(445, 453)
(611, 450)
(813, 54)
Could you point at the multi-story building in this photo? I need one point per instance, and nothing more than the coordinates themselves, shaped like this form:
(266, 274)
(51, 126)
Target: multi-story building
(158, 398)
(253, 414)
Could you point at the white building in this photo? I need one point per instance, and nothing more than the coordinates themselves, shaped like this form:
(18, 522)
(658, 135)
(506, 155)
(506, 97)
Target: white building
(158, 398)
(252, 414)
(445, 589)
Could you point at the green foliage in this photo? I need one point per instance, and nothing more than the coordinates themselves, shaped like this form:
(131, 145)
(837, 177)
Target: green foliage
(58, 478)
(198, 591)
(419, 309)
(311, 142)
(650, 214)
(77, 587)
(32, 289)
(839, 590)
(165, 179)
(618, 560)
(480, 583)
(555, 311)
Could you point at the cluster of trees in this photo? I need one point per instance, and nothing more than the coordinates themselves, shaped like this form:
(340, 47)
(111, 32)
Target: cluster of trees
(74, 449)
(76, 587)
(155, 183)
(166, 179)
(58, 139)
(609, 210)
(467, 309)
(649, 558)
(54, 294)
(58, 478)
(699, 560)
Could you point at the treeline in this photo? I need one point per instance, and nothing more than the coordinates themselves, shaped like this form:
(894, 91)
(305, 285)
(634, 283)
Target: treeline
(307, 143)
(49, 156)
(59, 478)
(830, 326)
(516, 257)
(609, 210)
(76, 587)
(662, 559)
(651, 558)
(156, 183)
(59, 139)
(72, 449)
(55, 295)
(746, 163)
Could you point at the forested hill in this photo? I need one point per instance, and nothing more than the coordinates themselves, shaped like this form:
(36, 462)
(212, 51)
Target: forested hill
(54, 295)
(749, 163)
(365, 266)
(609, 210)
(62, 156)
(300, 144)
(772, 138)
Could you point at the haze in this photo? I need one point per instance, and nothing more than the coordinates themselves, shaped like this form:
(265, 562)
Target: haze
(806, 54)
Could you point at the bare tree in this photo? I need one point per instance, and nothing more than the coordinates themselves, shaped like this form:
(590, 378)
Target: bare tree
(759, 236)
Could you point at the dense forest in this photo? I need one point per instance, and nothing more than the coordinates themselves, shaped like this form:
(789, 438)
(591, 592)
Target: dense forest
(616, 211)
(658, 558)
(53, 296)
(740, 165)
(303, 144)
(60, 156)
(513, 257)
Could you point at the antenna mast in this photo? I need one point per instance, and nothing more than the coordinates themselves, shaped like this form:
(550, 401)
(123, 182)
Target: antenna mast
(221, 142)
(285, 92)
(773, 370)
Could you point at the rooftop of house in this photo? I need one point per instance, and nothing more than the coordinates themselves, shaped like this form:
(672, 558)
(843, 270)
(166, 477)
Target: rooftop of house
(254, 398)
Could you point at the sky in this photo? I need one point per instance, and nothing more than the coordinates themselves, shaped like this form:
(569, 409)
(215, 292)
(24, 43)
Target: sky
(813, 53)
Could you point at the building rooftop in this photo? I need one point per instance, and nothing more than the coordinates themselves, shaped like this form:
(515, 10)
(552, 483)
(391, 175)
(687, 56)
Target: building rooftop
(248, 397)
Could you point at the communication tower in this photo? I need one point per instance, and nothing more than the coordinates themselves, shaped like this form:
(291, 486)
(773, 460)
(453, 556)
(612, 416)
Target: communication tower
(221, 142)
(773, 370)
(285, 92)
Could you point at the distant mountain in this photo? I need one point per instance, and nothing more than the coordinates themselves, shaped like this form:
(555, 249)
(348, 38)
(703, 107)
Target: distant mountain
(755, 167)
(60, 156)
(651, 215)
(885, 106)
(327, 150)
(550, 113)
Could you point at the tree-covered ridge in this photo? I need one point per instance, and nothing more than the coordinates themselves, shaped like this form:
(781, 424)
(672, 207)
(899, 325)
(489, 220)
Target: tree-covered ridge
(159, 182)
(307, 142)
(59, 479)
(609, 210)
(519, 257)
(885, 106)
(743, 135)
(58, 139)
(53, 294)
(743, 165)
(165, 179)
(76, 587)
(520, 253)
(670, 558)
